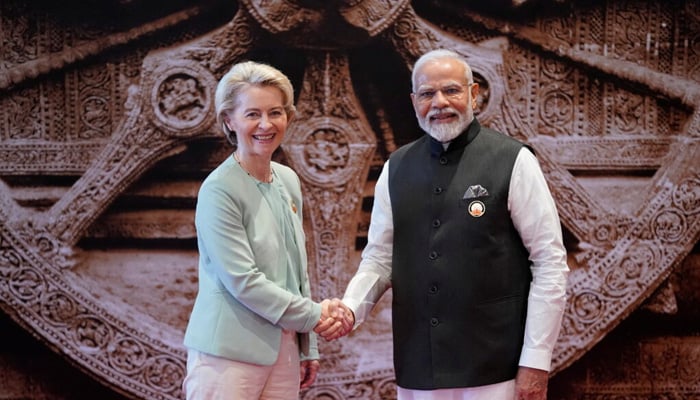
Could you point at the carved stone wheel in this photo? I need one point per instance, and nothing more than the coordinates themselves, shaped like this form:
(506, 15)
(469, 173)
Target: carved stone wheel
(608, 102)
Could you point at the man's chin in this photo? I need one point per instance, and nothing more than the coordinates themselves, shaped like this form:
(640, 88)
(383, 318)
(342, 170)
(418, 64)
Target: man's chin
(444, 135)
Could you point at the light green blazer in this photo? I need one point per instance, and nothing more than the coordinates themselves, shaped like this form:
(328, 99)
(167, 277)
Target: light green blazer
(242, 304)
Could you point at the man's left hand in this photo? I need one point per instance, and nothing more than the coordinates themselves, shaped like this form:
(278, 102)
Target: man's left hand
(531, 384)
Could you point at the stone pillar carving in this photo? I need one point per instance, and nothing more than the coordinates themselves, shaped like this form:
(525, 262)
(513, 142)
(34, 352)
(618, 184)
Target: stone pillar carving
(331, 145)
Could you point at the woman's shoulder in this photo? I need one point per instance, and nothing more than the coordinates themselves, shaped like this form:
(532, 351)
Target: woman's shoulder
(284, 171)
(289, 178)
(282, 167)
(227, 169)
(226, 177)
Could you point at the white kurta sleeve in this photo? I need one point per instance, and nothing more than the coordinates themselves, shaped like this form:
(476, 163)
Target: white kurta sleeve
(373, 277)
(535, 216)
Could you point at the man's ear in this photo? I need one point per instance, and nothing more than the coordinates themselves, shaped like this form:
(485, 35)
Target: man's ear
(474, 92)
(475, 89)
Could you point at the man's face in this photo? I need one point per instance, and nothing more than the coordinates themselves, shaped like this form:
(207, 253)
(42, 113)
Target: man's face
(443, 99)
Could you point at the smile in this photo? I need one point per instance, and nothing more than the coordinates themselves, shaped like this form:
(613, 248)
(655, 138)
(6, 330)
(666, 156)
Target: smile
(442, 117)
(264, 137)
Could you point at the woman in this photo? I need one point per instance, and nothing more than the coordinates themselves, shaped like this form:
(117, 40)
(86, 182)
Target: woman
(249, 335)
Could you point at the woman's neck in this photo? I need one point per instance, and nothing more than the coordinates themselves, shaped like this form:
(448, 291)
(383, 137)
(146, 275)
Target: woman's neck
(257, 168)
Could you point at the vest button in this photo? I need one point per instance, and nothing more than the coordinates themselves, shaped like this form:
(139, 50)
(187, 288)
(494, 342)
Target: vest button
(436, 223)
(437, 190)
(434, 321)
(433, 289)
(433, 255)
(443, 160)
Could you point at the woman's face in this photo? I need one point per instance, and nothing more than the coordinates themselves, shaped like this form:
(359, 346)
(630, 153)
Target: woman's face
(259, 120)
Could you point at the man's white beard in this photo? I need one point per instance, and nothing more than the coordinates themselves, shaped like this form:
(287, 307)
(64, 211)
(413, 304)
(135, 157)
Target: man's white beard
(444, 133)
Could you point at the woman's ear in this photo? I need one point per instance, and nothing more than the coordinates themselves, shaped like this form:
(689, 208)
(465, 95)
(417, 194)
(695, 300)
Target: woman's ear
(290, 116)
(227, 123)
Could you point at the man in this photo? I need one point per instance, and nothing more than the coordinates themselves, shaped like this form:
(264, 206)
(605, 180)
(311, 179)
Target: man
(465, 232)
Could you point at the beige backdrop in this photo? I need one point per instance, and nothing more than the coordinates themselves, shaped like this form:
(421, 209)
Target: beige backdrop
(107, 129)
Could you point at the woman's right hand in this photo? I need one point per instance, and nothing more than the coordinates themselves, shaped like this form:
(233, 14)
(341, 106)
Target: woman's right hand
(337, 319)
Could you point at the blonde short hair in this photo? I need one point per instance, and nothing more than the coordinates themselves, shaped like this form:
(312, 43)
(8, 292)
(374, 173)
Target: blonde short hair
(245, 74)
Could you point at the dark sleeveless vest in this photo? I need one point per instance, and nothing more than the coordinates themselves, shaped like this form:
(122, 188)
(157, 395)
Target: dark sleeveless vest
(460, 281)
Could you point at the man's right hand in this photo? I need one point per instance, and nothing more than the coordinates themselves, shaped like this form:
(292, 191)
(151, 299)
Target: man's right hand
(337, 320)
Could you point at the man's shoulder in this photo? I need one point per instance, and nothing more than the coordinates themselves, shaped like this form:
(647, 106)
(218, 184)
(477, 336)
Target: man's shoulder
(503, 140)
(499, 136)
(404, 148)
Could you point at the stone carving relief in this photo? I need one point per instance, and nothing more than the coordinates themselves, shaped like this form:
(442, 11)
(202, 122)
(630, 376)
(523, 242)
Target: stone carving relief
(609, 102)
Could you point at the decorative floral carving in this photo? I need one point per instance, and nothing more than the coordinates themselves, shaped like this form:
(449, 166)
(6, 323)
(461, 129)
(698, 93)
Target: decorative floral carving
(686, 196)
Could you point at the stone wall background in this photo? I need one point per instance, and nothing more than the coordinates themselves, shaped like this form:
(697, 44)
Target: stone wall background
(106, 130)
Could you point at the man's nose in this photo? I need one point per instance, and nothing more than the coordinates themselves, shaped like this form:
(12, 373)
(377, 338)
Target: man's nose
(439, 99)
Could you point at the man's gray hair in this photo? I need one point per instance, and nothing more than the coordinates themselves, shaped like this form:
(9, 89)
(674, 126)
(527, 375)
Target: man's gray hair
(438, 54)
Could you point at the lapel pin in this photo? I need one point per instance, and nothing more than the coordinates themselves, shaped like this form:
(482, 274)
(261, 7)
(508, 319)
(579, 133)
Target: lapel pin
(476, 208)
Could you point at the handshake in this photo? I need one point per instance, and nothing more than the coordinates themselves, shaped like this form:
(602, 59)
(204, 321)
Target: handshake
(336, 320)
